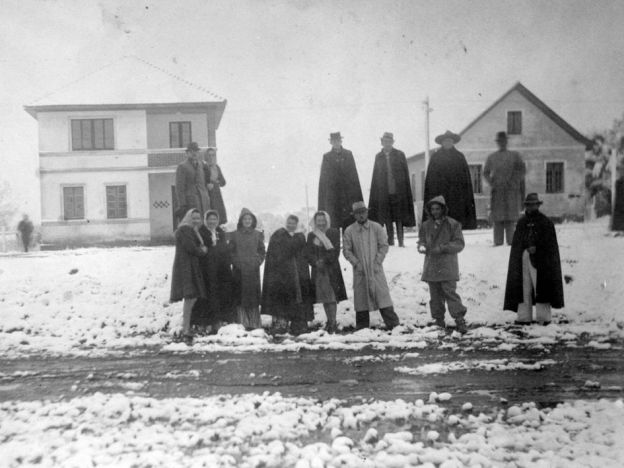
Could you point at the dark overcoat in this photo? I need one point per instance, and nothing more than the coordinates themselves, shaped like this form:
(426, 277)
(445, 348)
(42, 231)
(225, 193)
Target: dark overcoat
(190, 187)
(448, 175)
(248, 251)
(216, 198)
(216, 268)
(187, 280)
(504, 171)
(535, 230)
(379, 202)
(617, 221)
(321, 258)
(286, 270)
(339, 187)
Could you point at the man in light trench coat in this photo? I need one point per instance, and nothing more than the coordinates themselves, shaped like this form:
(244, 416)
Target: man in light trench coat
(365, 245)
(504, 170)
(191, 188)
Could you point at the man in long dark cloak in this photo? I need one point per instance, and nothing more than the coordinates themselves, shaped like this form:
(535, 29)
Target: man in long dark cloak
(534, 274)
(339, 184)
(391, 198)
(448, 175)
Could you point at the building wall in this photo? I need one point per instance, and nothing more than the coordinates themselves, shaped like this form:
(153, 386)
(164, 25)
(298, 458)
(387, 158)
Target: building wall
(158, 128)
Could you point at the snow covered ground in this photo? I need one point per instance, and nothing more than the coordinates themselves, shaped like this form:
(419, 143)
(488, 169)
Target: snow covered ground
(98, 301)
(272, 431)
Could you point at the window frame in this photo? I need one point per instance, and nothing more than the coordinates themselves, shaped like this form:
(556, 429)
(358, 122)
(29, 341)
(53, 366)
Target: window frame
(116, 185)
(84, 202)
(179, 124)
(563, 171)
(92, 120)
(472, 178)
(510, 130)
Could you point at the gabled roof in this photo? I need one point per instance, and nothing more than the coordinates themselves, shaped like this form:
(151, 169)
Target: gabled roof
(537, 102)
(129, 82)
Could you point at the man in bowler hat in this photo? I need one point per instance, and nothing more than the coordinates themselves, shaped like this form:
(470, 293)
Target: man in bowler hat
(534, 274)
(504, 170)
(190, 187)
(391, 200)
(339, 184)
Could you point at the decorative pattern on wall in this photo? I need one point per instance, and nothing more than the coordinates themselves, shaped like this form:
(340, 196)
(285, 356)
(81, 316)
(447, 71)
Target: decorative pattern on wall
(161, 204)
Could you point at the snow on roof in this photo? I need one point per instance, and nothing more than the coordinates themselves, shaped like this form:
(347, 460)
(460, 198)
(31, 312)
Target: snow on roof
(128, 81)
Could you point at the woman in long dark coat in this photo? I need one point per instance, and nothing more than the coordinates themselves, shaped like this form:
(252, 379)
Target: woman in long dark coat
(534, 247)
(448, 175)
(217, 272)
(248, 251)
(323, 251)
(287, 292)
(214, 182)
(187, 280)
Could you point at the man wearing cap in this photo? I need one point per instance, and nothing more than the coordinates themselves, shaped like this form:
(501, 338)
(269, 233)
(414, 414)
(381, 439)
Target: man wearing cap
(339, 184)
(448, 175)
(365, 245)
(534, 274)
(391, 198)
(440, 239)
(191, 189)
(504, 170)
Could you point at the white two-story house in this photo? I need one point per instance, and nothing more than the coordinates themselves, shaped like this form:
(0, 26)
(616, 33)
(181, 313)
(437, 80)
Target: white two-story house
(109, 144)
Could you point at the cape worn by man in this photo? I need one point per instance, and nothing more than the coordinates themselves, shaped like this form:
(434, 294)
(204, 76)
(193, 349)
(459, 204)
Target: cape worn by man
(339, 184)
(534, 274)
(448, 175)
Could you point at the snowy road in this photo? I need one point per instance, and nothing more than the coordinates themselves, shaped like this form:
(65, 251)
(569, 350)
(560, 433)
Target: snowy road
(483, 377)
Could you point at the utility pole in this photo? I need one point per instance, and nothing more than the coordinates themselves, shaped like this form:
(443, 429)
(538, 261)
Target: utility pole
(428, 111)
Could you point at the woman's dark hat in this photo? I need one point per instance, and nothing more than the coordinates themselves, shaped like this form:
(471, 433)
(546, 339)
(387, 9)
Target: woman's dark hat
(532, 199)
(448, 134)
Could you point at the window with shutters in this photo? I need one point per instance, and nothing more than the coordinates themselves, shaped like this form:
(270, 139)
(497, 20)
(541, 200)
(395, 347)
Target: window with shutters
(554, 177)
(475, 178)
(514, 122)
(73, 202)
(179, 134)
(116, 202)
(92, 134)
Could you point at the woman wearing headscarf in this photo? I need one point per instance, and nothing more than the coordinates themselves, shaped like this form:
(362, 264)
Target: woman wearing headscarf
(287, 292)
(322, 252)
(187, 281)
(214, 182)
(217, 272)
(247, 248)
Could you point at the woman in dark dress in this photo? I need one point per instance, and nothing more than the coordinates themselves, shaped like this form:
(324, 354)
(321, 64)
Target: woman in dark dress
(322, 252)
(187, 280)
(215, 309)
(214, 182)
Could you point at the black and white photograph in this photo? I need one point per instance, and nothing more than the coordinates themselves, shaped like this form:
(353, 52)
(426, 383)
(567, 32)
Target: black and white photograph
(312, 233)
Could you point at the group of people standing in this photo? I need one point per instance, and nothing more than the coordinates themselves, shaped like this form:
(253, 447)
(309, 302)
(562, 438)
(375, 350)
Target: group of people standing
(217, 274)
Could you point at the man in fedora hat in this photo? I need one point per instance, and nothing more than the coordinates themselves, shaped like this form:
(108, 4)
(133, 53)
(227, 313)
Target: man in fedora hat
(448, 175)
(365, 245)
(534, 274)
(190, 187)
(504, 170)
(391, 198)
(339, 184)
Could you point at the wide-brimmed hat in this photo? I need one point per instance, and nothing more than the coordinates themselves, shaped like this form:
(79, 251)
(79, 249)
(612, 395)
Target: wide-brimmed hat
(388, 135)
(501, 136)
(192, 146)
(532, 199)
(448, 134)
(358, 207)
(335, 136)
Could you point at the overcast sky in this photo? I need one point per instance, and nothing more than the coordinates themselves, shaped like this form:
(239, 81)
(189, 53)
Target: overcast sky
(293, 71)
